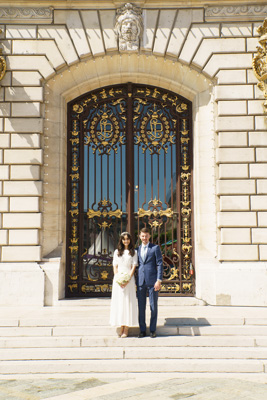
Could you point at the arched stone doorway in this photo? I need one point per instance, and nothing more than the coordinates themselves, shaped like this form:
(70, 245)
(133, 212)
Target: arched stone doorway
(90, 75)
(130, 165)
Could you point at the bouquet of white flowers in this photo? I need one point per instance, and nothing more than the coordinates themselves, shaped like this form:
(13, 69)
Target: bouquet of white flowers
(122, 278)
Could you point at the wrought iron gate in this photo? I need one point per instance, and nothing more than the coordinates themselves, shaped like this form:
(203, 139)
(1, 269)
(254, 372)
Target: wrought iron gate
(129, 166)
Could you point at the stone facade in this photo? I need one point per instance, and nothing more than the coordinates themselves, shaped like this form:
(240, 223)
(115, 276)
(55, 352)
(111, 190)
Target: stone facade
(202, 51)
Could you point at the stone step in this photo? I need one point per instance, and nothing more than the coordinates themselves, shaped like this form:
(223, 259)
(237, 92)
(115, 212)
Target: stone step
(107, 331)
(104, 320)
(110, 341)
(130, 365)
(25, 332)
(148, 353)
(105, 301)
(167, 330)
(223, 330)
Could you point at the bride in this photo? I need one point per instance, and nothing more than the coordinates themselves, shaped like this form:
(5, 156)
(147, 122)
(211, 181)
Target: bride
(123, 311)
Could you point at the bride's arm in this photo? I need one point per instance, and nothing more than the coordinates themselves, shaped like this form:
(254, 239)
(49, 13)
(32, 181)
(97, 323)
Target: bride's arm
(115, 269)
(132, 271)
(115, 262)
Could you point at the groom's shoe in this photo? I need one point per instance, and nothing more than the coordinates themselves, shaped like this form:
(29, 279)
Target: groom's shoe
(142, 334)
(153, 334)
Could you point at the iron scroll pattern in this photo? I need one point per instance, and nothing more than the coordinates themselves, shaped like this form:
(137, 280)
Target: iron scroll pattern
(161, 120)
(96, 120)
(73, 208)
(158, 120)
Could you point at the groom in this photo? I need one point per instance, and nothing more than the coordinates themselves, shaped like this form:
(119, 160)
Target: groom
(148, 280)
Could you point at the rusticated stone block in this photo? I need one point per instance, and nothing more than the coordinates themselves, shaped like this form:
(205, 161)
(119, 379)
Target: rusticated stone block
(233, 171)
(237, 155)
(24, 156)
(21, 253)
(24, 236)
(23, 188)
(237, 219)
(236, 186)
(238, 252)
(234, 203)
(235, 236)
(22, 220)
(24, 204)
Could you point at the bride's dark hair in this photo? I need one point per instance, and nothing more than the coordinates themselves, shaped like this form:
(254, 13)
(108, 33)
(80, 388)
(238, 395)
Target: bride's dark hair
(121, 245)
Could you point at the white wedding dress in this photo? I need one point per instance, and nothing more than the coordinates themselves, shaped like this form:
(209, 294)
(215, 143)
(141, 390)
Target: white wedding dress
(123, 309)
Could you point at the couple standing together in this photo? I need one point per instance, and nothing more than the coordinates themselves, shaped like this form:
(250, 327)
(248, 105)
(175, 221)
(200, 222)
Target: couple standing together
(148, 258)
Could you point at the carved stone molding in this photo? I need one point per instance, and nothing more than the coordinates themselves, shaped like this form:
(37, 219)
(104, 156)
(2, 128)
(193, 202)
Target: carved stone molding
(238, 13)
(26, 14)
(129, 27)
(259, 62)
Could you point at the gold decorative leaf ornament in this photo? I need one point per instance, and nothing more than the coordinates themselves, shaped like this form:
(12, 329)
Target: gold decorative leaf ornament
(259, 62)
(2, 64)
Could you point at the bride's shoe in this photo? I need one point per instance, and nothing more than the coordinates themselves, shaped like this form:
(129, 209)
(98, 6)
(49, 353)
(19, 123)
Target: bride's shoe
(121, 331)
(125, 332)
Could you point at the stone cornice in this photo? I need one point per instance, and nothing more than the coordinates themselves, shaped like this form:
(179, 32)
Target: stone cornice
(92, 4)
(26, 14)
(236, 12)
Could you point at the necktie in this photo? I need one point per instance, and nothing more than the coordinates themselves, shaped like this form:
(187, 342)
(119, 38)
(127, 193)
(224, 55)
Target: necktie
(143, 252)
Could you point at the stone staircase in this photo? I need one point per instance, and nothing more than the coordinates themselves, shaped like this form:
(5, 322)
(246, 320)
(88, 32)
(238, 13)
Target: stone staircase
(75, 337)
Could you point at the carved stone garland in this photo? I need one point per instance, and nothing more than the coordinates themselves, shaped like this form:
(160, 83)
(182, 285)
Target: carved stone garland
(2, 63)
(259, 62)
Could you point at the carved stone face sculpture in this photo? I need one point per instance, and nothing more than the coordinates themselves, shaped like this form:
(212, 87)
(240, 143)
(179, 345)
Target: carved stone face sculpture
(129, 26)
(129, 30)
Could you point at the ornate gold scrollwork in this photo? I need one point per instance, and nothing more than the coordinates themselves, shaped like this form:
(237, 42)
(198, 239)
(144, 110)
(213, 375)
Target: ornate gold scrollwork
(155, 213)
(104, 275)
(170, 288)
(187, 286)
(181, 107)
(104, 133)
(74, 277)
(104, 213)
(2, 63)
(186, 209)
(78, 108)
(155, 132)
(259, 62)
(73, 286)
(97, 288)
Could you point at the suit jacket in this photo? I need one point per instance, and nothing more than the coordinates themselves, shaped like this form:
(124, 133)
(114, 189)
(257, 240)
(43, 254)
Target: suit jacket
(151, 269)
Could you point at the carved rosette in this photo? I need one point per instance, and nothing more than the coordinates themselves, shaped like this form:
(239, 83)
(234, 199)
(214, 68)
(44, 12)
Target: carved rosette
(259, 62)
(129, 27)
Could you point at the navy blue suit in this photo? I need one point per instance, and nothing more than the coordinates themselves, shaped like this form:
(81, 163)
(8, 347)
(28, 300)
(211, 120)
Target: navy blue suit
(149, 271)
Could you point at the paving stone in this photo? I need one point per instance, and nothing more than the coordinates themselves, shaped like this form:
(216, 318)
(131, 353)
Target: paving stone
(44, 388)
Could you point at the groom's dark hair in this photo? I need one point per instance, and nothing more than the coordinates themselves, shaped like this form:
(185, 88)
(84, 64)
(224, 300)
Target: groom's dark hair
(145, 230)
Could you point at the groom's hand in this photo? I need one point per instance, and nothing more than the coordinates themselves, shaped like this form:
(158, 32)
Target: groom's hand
(157, 286)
